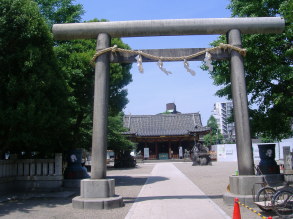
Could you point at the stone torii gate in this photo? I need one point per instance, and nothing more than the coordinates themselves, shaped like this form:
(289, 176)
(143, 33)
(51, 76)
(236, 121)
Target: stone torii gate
(98, 192)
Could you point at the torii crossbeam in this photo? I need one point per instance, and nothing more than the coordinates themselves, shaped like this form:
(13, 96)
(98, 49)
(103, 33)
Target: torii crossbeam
(103, 31)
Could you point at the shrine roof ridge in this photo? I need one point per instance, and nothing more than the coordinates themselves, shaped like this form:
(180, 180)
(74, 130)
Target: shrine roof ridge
(164, 124)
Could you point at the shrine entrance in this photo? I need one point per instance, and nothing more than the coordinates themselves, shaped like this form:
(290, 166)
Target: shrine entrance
(104, 197)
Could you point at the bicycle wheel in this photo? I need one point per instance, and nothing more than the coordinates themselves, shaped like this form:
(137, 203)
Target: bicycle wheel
(265, 195)
(283, 203)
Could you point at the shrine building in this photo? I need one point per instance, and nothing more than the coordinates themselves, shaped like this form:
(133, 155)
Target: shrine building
(166, 135)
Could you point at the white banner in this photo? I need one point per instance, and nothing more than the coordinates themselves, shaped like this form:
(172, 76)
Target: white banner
(146, 152)
(180, 152)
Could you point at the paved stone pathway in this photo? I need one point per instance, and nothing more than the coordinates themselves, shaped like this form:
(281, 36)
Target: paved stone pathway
(168, 193)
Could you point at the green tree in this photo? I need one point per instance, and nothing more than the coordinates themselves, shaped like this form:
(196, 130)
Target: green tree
(116, 141)
(212, 123)
(268, 69)
(60, 11)
(33, 106)
(214, 137)
(74, 60)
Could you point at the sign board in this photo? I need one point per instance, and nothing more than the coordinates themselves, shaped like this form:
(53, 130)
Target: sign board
(163, 156)
(229, 151)
(146, 152)
(221, 151)
(180, 152)
(287, 158)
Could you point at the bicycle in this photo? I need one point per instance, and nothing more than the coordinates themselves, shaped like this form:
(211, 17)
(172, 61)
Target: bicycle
(278, 199)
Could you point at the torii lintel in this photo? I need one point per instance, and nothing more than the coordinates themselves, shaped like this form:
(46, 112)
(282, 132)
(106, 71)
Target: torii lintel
(169, 27)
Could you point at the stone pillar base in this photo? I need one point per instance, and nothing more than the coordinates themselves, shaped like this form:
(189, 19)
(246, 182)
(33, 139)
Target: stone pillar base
(243, 187)
(97, 203)
(229, 197)
(246, 187)
(97, 194)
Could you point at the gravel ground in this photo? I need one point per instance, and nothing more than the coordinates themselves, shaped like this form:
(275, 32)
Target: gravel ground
(212, 180)
(128, 184)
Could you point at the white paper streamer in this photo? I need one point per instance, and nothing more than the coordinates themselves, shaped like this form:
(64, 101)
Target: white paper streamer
(160, 64)
(208, 61)
(186, 66)
(139, 63)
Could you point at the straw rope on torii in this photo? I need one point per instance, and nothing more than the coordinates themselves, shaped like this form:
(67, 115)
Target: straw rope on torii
(160, 59)
(105, 196)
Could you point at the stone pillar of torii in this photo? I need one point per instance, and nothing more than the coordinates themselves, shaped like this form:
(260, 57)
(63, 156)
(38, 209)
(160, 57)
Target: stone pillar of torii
(99, 192)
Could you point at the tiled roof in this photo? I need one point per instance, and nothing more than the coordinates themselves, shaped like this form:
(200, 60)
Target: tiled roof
(163, 124)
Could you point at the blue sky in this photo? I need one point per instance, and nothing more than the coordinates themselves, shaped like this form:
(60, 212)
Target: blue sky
(149, 92)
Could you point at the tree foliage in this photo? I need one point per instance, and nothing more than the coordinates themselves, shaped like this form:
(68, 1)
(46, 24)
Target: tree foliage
(60, 11)
(74, 60)
(212, 123)
(214, 137)
(33, 96)
(46, 101)
(116, 142)
(268, 69)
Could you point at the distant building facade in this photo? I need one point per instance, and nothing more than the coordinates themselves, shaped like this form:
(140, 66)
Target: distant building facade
(222, 112)
(165, 135)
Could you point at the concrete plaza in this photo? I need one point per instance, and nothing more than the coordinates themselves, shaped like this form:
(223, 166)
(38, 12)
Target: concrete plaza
(151, 190)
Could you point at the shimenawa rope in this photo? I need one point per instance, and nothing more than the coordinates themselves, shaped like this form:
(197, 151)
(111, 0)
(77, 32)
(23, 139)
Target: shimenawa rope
(158, 58)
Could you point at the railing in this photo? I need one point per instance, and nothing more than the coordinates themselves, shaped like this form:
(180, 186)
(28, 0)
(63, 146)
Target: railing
(31, 167)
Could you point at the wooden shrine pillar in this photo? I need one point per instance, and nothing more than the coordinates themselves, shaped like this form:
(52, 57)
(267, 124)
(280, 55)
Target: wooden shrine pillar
(157, 153)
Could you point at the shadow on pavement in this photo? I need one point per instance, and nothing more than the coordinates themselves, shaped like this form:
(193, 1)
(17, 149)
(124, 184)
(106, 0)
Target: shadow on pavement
(130, 181)
(178, 197)
(112, 168)
(140, 199)
(153, 179)
(28, 205)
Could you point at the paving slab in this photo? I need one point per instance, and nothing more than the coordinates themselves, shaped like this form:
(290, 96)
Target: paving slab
(168, 193)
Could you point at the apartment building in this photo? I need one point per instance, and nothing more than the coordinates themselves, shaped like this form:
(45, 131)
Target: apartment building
(222, 112)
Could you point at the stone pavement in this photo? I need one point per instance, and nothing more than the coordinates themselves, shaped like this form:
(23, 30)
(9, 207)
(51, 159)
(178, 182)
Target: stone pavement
(155, 190)
(168, 193)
